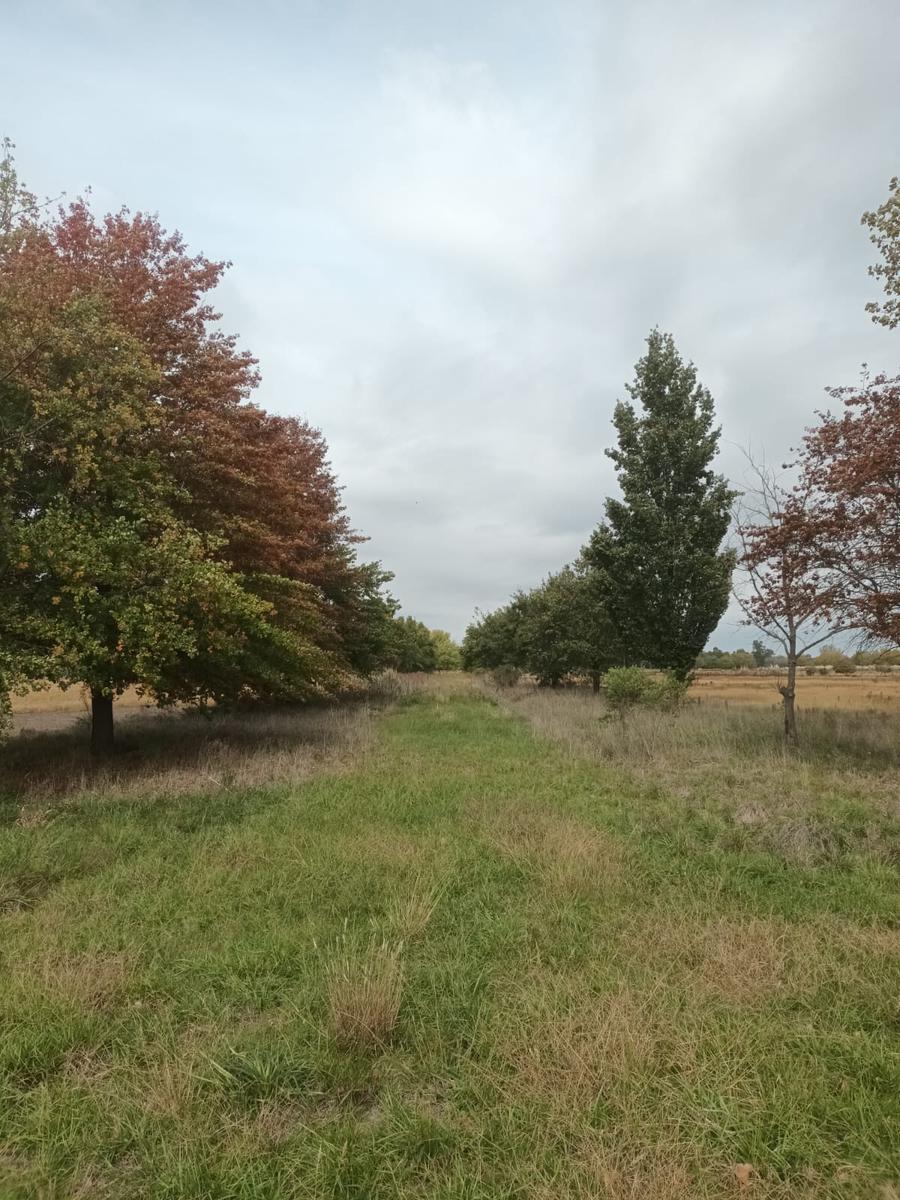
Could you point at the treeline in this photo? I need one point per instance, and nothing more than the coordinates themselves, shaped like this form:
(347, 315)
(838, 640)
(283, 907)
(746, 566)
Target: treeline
(826, 660)
(157, 528)
(818, 556)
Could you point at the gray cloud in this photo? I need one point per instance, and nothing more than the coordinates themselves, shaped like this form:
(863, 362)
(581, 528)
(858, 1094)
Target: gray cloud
(453, 225)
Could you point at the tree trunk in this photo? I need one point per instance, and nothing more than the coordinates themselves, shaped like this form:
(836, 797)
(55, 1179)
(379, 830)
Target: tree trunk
(595, 682)
(788, 694)
(101, 723)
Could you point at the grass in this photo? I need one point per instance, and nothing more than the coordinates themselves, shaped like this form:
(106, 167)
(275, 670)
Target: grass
(473, 947)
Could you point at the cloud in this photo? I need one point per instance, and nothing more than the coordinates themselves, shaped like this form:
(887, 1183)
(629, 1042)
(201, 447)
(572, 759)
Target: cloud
(453, 226)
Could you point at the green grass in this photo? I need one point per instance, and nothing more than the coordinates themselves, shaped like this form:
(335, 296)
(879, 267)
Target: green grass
(467, 962)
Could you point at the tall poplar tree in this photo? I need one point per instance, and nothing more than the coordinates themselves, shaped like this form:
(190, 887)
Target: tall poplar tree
(661, 571)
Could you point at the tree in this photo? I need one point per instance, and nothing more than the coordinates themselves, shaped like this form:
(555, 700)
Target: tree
(413, 647)
(258, 485)
(662, 573)
(100, 582)
(490, 639)
(724, 660)
(884, 231)
(553, 630)
(762, 654)
(786, 593)
(156, 529)
(447, 653)
(849, 464)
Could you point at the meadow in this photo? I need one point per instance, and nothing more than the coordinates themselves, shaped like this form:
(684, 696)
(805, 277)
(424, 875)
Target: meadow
(470, 943)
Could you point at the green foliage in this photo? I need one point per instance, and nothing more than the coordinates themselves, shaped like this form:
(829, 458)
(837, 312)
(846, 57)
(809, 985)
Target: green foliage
(155, 530)
(490, 640)
(884, 231)
(448, 656)
(632, 687)
(554, 630)
(505, 676)
(663, 576)
(101, 583)
(412, 646)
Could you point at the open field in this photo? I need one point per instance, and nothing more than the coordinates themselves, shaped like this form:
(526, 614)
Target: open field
(869, 690)
(478, 946)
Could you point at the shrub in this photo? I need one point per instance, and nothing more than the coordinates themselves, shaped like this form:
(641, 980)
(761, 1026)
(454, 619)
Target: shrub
(845, 668)
(628, 687)
(506, 675)
(812, 670)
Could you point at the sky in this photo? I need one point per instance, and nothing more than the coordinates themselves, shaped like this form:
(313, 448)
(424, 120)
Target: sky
(452, 226)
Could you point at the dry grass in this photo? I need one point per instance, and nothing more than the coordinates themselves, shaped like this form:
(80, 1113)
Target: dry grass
(172, 754)
(866, 691)
(410, 912)
(91, 980)
(570, 1047)
(732, 761)
(365, 990)
(568, 855)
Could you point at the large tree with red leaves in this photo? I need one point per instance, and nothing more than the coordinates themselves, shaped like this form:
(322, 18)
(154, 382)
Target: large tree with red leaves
(164, 530)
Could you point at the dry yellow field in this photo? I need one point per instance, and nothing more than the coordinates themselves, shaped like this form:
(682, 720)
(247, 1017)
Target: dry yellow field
(864, 691)
(74, 700)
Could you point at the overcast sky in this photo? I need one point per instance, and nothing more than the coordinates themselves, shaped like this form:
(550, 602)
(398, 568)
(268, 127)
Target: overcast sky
(453, 223)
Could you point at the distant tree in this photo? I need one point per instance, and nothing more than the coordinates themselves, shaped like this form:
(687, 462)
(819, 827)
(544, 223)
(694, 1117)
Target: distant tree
(884, 230)
(831, 656)
(784, 590)
(556, 629)
(447, 653)
(663, 575)
(724, 660)
(413, 647)
(762, 654)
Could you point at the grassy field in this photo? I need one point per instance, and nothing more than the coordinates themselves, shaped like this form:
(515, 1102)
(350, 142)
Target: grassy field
(479, 945)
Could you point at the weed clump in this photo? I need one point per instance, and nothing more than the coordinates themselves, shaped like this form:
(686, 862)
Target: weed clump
(365, 990)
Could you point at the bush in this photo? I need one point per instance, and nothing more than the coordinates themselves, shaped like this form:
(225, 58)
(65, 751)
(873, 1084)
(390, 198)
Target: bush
(628, 687)
(812, 670)
(845, 668)
(506, 675)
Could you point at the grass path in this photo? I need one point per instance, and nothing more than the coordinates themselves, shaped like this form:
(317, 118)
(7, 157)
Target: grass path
(599, 994)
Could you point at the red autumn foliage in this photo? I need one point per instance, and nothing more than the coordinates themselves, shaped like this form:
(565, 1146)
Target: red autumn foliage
(260, 482)
(851, 463)
(788, 594)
